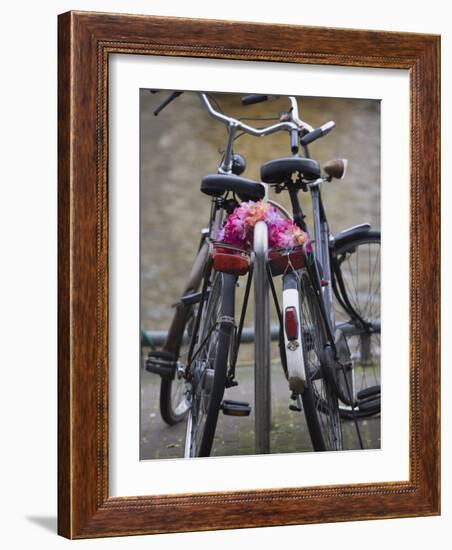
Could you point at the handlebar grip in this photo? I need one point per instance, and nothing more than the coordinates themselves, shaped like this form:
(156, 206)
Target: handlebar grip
(253, 98)
(294, 141)
(317, 133)
(310, 137)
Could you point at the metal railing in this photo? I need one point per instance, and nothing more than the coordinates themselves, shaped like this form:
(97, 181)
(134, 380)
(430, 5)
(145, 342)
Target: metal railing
(156, 338)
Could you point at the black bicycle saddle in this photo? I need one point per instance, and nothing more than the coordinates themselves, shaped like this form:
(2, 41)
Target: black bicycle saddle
(217, 184)
(280, 170)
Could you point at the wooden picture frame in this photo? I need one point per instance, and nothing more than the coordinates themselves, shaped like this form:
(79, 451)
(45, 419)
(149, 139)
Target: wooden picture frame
(86, 40)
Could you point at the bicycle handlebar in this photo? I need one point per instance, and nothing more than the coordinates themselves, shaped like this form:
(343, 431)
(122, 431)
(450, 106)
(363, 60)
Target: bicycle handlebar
(238, 125)
(293, 125)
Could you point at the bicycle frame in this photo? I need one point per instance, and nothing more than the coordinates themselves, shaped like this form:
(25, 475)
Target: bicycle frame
(322, 252)
(322, 281)
(174, 335)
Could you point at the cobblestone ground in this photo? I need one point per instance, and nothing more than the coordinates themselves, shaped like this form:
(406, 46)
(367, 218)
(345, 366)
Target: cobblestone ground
(235, 435)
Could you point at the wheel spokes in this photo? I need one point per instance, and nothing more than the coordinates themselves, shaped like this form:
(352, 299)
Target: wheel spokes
(203, 363)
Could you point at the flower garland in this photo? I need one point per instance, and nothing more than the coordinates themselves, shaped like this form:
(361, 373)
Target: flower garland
(239, 227)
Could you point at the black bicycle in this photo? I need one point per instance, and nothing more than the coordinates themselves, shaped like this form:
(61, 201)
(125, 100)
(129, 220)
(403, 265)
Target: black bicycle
(329, 317)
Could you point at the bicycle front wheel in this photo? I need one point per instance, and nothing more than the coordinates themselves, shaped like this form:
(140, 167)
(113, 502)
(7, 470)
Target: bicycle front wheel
(356, 268)
(209, 364)
(320, 402)
(174, 403)
(173, 393)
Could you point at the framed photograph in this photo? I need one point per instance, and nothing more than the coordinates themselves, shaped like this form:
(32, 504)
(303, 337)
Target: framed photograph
(248, 275)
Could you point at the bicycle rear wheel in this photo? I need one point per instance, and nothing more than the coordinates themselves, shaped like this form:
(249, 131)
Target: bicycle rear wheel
(319, 397)
(209, 364)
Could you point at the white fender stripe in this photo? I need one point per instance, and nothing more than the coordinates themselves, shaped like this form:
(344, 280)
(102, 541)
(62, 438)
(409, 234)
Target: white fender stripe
(294, 353)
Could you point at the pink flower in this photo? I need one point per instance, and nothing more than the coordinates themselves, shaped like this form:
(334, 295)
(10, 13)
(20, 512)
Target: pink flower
(238, 227)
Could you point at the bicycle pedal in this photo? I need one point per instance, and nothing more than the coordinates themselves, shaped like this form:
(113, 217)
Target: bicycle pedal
(190, 299)
(298, 407)
(235, 408)
(161, 363)
(369, 392)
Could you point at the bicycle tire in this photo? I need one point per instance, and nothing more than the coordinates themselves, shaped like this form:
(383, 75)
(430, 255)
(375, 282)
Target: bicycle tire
(368, 367)
(173, 401)
(209, 368)
(320, 402)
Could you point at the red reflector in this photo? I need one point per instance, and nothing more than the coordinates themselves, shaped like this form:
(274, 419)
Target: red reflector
(291, 323)
(230, 261)
(281, 260)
